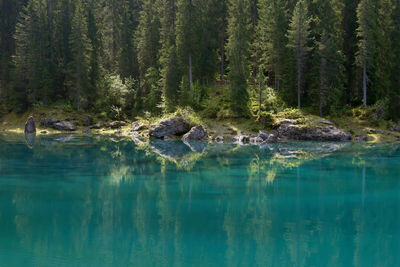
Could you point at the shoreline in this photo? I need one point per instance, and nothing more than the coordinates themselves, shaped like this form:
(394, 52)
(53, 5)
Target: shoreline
(284, 127)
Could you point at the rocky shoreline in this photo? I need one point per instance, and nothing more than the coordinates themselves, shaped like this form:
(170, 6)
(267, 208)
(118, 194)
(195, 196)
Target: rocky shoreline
(178, 128)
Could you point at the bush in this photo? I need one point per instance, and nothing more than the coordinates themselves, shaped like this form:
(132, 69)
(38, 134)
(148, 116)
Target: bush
(120, 97)
(270, 101)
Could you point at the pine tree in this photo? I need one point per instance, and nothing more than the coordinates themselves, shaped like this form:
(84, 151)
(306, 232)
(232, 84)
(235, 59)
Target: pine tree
(374, 48)
(148, 52)
(127, 55)
(185, 24)
(271, 38)
(238, 54)
(63, 50)
(80, 49)
(168, 61)
(28, 56)
(367, 21)
(94, 62)
(298, 35)
(330, 43)
(394, 95)
(9, 10)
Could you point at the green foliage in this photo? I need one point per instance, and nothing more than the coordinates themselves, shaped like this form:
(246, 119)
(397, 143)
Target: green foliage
(119, 98)
(238, 49)
(156, 55)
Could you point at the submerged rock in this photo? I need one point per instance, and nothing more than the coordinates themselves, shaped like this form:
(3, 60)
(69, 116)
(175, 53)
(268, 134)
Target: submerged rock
(359, 138)
(219, 139)
(168, 127)
(30, 126)
(196, 133)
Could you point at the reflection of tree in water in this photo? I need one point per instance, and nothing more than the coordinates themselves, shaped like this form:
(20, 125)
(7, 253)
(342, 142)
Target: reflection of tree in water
(111, 197)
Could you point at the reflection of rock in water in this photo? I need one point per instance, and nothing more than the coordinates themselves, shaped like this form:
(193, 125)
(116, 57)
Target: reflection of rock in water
(292, 148)
(196, 146)
(53, 140)
(30, 139)
(170, 149)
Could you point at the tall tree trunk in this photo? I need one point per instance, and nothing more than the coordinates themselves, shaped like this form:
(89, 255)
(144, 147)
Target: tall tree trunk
(190, 71)
(260, 98)
(365, 84)
(299, 73)
(322, 89)
(222, 48)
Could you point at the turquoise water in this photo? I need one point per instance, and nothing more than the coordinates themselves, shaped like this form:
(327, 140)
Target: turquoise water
(81, 201)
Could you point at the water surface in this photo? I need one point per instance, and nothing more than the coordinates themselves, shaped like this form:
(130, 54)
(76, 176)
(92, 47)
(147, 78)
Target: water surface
(93, 201)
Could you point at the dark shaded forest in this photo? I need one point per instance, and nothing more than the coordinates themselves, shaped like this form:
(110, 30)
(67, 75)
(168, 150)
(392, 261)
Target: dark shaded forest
(235, 57)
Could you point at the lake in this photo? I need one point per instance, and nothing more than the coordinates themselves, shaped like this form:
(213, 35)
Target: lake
(96, 201)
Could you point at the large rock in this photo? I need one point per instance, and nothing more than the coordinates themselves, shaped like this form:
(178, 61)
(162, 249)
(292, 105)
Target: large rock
(48, 122)
(30, 126)
(197, 133)
(57, 124)
(317, 132)
(64, 126)
(168, 127)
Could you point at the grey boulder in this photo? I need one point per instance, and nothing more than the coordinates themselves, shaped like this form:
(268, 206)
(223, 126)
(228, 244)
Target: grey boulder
(48, 122)
(30, 126)
(197, 133)
(312, 133)
(168, 127)
(64, 126)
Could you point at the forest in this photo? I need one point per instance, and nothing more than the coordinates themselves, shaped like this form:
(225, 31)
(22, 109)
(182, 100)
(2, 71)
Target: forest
(223, 58)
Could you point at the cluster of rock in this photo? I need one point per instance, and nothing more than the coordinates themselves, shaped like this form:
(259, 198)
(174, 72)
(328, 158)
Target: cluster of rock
(260, 138)
(172, 128)
(57, 124)
(177, 128)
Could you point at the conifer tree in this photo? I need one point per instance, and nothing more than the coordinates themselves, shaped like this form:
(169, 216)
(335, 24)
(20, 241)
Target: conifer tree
(271, 37)
(330, 43)
(185, 24)
(127, 54)
(168, 61)
(238, 54)
(374, 48)
(298, 35)
(148, 52)
(80, 49)
(28, 56)
(94, 62)
(394, 95)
